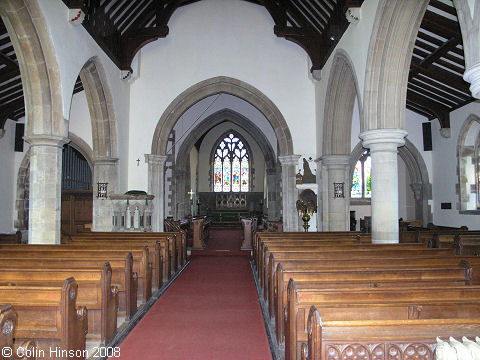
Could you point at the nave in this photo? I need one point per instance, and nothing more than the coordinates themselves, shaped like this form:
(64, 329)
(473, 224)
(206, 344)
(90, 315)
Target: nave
(210, 312)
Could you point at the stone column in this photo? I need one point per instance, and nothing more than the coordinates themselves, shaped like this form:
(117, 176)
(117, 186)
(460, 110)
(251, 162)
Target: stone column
(289, 192)
(45, 188)
(180, 201)
(337, 170)
(156, 187)
(273, 194)
(383, 144)
(105, 170)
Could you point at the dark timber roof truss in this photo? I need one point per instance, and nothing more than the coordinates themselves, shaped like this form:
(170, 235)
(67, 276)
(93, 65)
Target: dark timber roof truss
(122, 27)
(435, 84)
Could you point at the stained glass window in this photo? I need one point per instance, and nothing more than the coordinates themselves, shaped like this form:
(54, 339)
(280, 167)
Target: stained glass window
(362, 178)
(231, 165)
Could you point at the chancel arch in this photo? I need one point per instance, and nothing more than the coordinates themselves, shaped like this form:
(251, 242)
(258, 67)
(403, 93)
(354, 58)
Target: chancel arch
(246, 92)
(182, 170)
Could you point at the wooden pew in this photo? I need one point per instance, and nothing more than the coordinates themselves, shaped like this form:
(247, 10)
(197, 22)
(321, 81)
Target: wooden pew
(50, 317)
(141, 263)
(201, 232)
(158, 256)
(171, 243)
(405, 339)
(316, 246)
(8, 324)
(122, 275)
(15, 238)
(95, 292)
(374, 304)
(361, 276)
(377, 251)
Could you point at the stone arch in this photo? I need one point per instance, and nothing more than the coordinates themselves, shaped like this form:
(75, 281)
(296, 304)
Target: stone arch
(467, 152)
(389, 55)
(417, 170)
(217, 85)
(38, 67)
(100, 105)
(23, 180)
(180, 175)
(339, 103)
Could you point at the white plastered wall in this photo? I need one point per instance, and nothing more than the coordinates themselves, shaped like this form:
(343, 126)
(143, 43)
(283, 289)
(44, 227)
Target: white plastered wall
(7, 181)
(205, 152)
(219, 38)
(445, 178)
(73, 48)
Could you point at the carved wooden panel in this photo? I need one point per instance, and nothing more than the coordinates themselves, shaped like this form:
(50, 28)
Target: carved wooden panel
(380, 351)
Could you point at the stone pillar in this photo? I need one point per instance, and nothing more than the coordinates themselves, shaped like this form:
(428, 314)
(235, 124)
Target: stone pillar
(289, 192)
(180, 201)
(105, 170)
(472, 75)
(45, 188)
(337, 214)
(156, 187)
(273, 194)
(383, 144)
(320, 195)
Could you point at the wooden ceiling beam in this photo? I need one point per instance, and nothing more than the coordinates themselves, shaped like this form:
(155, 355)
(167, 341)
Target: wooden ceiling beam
(434, 56)
(312, 11)
(419, 110)
(440, 25)
(314, 20)
(444, 7)
(441, 112)
(430, 88)
(7, 109)
(442, 76)
(126, 21)
(321, 11)
(432, 96)
(441, 87)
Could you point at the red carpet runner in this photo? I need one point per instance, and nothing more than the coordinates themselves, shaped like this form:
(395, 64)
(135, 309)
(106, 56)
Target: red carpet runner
(210, 312)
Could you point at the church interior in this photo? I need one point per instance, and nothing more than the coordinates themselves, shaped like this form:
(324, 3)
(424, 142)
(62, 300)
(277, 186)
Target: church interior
(241, 179)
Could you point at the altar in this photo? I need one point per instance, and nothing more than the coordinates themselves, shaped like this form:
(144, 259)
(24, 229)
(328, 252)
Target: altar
(230, 207)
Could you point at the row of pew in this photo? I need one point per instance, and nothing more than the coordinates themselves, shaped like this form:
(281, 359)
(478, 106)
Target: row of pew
(83, 289)
(335, 295)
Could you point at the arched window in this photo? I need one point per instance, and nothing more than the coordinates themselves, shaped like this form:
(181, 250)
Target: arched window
(362, 175)
(231, 165)
(468, 152)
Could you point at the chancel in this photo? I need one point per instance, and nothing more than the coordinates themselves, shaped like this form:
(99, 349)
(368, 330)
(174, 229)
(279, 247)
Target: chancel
(295, 179)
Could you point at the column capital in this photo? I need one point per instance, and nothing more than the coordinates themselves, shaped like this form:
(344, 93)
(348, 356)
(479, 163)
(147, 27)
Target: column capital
(104, 160)
(383, 139)
(46, 140)
(288, 160)
(335, 161)
(155, 159)
(472, 75)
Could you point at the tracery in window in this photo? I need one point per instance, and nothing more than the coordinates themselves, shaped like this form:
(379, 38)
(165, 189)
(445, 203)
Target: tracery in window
(231, 166)
(362, 177)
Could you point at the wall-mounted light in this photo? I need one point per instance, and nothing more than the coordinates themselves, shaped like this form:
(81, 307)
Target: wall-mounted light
(102, 190)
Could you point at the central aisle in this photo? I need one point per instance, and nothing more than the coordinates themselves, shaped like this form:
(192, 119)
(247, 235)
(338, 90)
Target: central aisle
(210, 312)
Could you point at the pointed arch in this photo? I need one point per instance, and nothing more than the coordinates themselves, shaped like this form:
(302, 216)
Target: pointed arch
(417, 171)
(339, 103)
(217, 85)
(100, 105)
(389, 56)
(39, 70)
